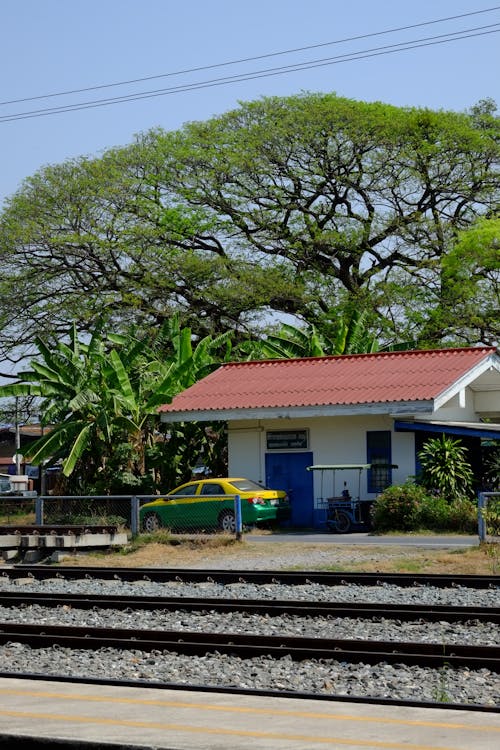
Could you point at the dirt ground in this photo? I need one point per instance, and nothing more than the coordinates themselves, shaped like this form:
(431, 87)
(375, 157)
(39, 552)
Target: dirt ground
(226, 554)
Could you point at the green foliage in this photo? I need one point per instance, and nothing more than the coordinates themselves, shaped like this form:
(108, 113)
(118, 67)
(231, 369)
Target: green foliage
(351, 195)
(409, 507)
(396, 508)
(491, 515)
(445, 468)
(470, 288)
(101, 401)
(286, 205)
(345, 335)
(491, 475)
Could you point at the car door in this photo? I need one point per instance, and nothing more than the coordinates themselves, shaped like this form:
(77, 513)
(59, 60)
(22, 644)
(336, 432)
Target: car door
(180, 507)
(214, 501)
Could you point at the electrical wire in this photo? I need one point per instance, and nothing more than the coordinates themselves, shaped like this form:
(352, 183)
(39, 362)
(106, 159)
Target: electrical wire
(254, 75)
(252, 59)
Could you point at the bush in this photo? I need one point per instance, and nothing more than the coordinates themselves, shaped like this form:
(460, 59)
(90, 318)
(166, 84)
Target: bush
(491, 475)
(437, 514)
(409, 507)
(445, 468)
(397, 507)
(491, 515)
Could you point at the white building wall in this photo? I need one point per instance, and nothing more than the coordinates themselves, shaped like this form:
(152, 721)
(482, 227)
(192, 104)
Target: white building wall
(245, 452)
(460, 408)
(336, 440)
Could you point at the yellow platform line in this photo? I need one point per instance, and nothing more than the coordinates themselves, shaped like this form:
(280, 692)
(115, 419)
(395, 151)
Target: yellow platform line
(247, 710)
(336, 741)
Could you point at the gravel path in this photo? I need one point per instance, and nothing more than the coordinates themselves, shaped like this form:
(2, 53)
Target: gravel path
(325, 676)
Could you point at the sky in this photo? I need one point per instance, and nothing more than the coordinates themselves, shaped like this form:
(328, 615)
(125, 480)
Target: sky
(53, 46)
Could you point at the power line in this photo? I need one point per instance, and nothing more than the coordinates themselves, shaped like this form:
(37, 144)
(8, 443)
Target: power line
(251, 59)
(269, 72)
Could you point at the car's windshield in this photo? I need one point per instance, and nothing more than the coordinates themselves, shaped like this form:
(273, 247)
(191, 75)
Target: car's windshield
(246, 485)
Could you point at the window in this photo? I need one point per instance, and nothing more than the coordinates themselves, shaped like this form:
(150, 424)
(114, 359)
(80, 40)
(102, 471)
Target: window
(212, 489)
(378, 454)
(189, 489)
(287, 440)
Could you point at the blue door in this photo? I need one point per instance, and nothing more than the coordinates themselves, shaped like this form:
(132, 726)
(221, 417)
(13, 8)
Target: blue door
(288, 471)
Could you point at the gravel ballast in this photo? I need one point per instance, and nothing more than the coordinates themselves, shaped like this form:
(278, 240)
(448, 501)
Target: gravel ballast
(325, 676)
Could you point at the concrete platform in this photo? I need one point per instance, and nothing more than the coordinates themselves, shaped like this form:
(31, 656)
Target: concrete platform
(38, 544)
(130, 717)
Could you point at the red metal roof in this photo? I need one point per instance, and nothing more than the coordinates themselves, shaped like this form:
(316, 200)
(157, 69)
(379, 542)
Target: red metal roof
(347, 379)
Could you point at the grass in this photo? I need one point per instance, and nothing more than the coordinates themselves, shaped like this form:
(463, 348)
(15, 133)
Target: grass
(162, 549)
(220, 551)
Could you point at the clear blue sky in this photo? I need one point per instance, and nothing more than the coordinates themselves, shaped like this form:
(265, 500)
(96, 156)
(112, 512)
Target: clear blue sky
(51, 46)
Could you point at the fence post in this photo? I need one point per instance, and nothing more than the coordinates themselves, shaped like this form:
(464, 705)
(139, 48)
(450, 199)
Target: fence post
(39, 511)
(481, 523)
(134, 515)
(238, 517)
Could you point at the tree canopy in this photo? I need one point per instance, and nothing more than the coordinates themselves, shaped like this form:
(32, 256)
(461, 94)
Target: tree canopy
(305, 206)
(362, 200)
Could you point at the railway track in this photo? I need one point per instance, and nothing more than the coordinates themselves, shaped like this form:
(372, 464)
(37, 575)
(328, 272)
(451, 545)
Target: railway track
(263, 607)
(225, 577)
(247, 647)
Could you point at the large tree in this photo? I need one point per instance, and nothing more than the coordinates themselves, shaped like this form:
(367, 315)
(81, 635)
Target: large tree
(109, 237)
(362, 200)
(295, 205)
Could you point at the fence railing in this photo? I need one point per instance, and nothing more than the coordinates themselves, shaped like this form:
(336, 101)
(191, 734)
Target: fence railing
(141, 513)
(488, 513)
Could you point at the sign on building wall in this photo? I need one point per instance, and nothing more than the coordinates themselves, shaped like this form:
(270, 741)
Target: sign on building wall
(287, 440)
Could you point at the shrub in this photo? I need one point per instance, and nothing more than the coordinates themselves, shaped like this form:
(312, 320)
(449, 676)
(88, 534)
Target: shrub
(409, 507)
(491, 515)
(445, 469)
(437, 514)
(491, 475)
(433, 513)
(397, 507)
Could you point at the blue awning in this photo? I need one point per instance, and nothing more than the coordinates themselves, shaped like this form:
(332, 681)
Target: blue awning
(470, 429)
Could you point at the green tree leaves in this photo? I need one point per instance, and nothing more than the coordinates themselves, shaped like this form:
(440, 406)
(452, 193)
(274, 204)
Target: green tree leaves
(101, 396)
(445, 468)
(287, 205)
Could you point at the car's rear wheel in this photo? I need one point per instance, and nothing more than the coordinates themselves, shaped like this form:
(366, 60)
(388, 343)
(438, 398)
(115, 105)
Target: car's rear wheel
(152, 522)
(227, 521)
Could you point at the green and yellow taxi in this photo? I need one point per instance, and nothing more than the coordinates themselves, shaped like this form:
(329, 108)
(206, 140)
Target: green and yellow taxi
(209, 504)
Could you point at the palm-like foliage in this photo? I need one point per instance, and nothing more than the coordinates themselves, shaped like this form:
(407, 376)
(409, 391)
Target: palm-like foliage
(101, 396)
(68, 381)
(446, 469)
(348, 335)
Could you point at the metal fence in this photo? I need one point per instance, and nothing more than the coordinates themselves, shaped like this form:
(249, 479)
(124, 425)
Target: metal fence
(148, 513)
(17, 510)
(488, 515)
(143, 513)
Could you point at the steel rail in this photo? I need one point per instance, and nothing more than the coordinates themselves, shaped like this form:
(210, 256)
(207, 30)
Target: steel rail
(247, 646)
(360, 610)
(164, 575)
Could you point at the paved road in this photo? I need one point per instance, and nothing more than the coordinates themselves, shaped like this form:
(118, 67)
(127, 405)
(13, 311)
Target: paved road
(368, 539)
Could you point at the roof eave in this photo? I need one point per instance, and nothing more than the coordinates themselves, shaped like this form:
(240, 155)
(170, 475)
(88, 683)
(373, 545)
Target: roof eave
(393, 408)
(492, 361)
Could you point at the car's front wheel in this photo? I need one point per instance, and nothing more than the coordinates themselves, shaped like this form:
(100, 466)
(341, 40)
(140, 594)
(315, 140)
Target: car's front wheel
(227, 521)
(152, 522)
